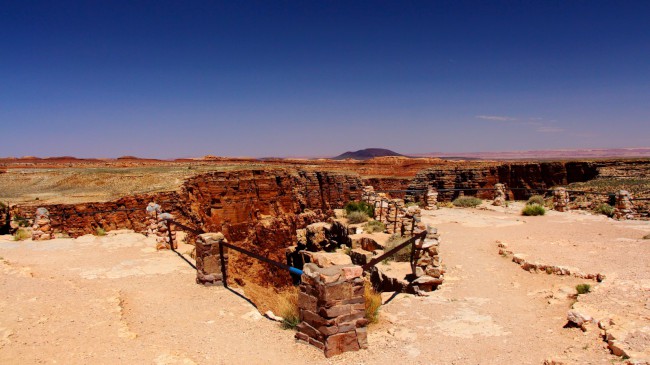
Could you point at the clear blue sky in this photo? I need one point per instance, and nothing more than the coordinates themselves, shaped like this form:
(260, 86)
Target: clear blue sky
(306, 78)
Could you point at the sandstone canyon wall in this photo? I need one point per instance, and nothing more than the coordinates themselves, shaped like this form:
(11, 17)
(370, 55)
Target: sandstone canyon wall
(256, 209)
(542, 175)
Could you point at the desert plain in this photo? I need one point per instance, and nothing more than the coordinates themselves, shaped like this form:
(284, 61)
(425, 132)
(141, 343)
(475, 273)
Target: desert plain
(114, 298)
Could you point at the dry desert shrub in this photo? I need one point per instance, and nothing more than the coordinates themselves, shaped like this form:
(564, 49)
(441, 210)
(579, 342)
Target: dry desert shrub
(646, 237)
(357, 217)
(467, 202)
(21, 235)
(372, 301)
(375, 226)
(533, 209)
(583, 288)
(605, 209)
(445, 205)
(360, 207)
(536, 199)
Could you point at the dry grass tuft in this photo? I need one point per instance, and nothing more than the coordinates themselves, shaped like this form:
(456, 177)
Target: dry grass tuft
(357, 217)
(21, 235)
(282, 302)
(372, 301)
(375, 226)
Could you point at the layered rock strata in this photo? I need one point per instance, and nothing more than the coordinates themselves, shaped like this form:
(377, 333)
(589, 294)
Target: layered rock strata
(516, 176)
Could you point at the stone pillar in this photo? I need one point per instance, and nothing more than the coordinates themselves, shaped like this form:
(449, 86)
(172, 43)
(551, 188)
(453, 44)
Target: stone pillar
(432, 199)
(208, 259)
(332, 309)
(624, 207)
(42, 229)
(412, 216)
(499, 195)
(368, 194)
(429, 270)
(560, 199)
(153, 210)
(394, 216)
(157, 226)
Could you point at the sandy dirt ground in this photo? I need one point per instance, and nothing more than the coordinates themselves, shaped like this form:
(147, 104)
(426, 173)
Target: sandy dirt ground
(115, 299)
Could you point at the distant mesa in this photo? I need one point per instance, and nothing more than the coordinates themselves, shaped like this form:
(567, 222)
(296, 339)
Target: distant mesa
(367, 154)
(61, 158)
(128, 158)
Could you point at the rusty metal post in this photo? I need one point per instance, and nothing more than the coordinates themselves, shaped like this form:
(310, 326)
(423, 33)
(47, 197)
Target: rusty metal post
(169, 232)
(223, 266)
(395, 224)
(381, 207)
(413, 258)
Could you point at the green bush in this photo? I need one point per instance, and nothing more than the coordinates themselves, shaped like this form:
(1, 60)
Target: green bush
(467, 201)
(360, 207)
(536, 199)
(583, 288)
(533, 209)
(605, 209)
(99, 231)
(21, 235)
(357, 217)
(375, 226)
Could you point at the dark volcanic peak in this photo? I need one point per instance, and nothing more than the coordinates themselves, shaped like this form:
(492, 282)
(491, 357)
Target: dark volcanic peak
(367, 154)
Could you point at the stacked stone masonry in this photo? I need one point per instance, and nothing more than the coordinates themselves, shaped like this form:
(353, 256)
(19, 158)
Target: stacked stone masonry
(332, 309)
(393, 213)
(208, 259)
(499, 195)
(157, 226)
(624, 208)
(560, 199)
(42, 228)
(429, 271)
(432, 199)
